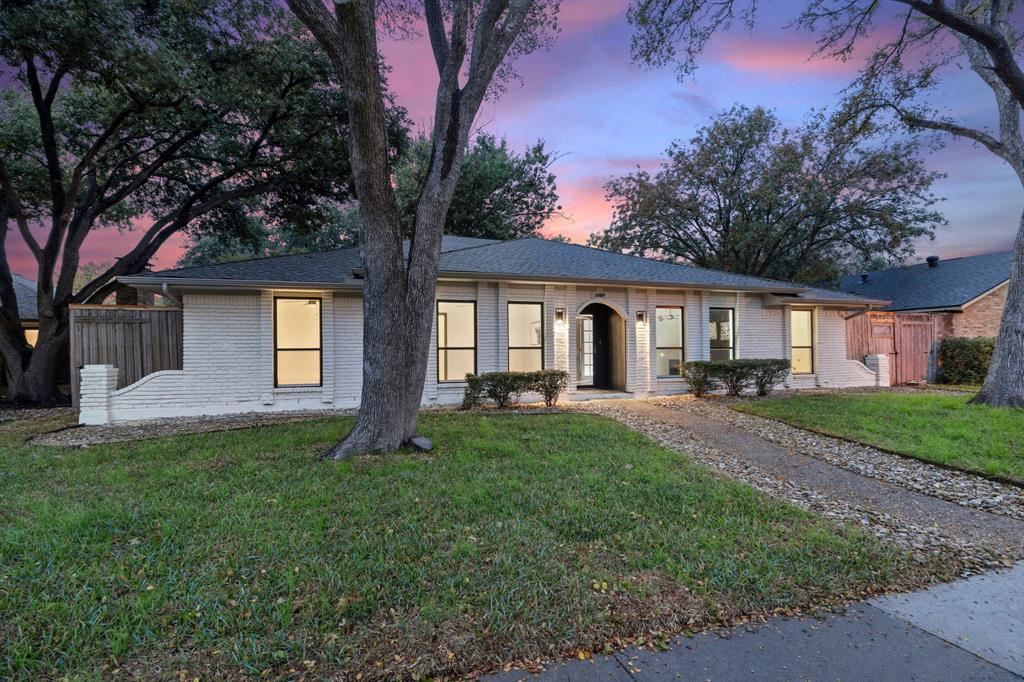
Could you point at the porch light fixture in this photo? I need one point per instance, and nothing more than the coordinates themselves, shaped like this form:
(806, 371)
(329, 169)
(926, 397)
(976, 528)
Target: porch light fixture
(559, 314)
(641, 317)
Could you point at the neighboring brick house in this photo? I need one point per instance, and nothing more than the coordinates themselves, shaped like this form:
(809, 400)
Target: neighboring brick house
(930, 301)
(965, 295)
(285, 333)
(979, 318)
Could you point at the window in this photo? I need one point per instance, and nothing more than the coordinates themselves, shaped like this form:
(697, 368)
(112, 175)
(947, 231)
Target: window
(525, 337)
(722, 333)
(456, 340)
(803, 342)
(669, 336)
(297, 342)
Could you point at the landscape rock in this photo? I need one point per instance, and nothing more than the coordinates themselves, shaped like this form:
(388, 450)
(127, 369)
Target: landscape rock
(421, 443)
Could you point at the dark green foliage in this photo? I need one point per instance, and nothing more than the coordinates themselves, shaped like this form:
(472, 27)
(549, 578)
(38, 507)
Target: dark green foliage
(735, 376)
(474, 391)
(550, 383)
(963, 360)
(750, 196)
(506, 388)
(768, 374)
(698, 376)
(500, 194)
(252, 237)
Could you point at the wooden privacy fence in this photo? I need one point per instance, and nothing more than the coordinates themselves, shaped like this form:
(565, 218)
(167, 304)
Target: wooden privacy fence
(138, 340)
(907, 338)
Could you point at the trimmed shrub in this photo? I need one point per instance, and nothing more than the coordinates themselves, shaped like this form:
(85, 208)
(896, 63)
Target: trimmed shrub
(474, 392)
(506, 388)
(768, 374)
(734, 375)
(550, 383)
(699, 377)
(964, 361)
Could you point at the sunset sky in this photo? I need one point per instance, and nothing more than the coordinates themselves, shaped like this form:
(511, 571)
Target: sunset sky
(605, 116)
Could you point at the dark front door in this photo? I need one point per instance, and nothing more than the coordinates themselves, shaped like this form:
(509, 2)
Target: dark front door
(594, 346)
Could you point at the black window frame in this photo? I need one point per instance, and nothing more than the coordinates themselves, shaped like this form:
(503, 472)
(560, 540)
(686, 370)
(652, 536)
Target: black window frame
(682, 338)
(437, 340)
(319, 350)
(792, 346)
(508, 334)
(732, 332)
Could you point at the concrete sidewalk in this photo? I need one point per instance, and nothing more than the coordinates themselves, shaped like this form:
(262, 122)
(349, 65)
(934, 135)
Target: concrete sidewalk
(968, 630)
(984, 615)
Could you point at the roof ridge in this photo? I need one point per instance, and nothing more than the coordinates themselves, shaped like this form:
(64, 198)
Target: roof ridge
(683, 265)
(490, 242)
(906, 266)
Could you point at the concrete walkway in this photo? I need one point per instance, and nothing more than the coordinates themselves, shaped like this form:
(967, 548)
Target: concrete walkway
(958, 631)
(1000, 533)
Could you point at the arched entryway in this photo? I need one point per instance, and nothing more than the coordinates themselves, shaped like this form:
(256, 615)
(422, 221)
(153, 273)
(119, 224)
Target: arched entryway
(600, 348)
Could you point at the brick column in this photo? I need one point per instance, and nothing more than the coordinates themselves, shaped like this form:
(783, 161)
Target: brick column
(879, 364)
(98, 382)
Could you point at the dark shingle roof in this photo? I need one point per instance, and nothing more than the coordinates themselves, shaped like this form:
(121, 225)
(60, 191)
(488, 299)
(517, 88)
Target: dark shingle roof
(545, 259)
(319, 267)
(527, 259)
(950, 284)
(25, 290)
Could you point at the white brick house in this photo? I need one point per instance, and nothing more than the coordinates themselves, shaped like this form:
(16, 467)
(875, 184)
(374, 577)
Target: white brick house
(285, 333)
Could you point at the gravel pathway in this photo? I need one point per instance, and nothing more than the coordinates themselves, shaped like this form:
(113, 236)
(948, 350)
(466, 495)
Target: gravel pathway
(962, 488)
(929, 528)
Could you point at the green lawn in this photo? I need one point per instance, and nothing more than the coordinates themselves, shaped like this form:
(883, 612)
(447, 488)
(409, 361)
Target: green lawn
(937, 428)
(239, 553)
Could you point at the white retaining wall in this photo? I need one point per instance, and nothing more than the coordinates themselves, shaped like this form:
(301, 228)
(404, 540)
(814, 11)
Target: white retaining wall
(228, 359)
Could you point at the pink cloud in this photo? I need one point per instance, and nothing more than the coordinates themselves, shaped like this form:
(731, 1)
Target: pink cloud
(779, 58)
(101, 246)
(585, 210)
(579, 17)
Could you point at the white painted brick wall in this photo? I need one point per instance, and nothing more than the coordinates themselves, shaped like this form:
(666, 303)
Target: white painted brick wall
(97, 382)
(228, 363)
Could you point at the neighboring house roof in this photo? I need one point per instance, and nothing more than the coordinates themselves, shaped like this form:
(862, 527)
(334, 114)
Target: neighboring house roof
(529, 259)
(25, 290)
(948, 285)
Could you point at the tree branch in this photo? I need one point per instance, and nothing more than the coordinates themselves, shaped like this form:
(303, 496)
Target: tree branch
(435, 29)
(991, 143)
(1004, 62)
(13, 206)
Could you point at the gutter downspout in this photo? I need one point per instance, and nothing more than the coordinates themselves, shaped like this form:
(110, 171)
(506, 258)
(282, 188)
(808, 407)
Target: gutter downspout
(165, 289)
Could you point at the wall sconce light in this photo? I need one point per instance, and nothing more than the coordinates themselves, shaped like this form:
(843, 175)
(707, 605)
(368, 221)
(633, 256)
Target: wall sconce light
(559, 314)
(641, 316)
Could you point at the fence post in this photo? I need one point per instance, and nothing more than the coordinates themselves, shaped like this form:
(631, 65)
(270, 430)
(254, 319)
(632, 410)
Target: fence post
(98, 382)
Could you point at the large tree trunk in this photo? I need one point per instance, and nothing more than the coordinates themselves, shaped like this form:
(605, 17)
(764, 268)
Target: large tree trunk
(399, 289)
(36, 381)
(1004, 384)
